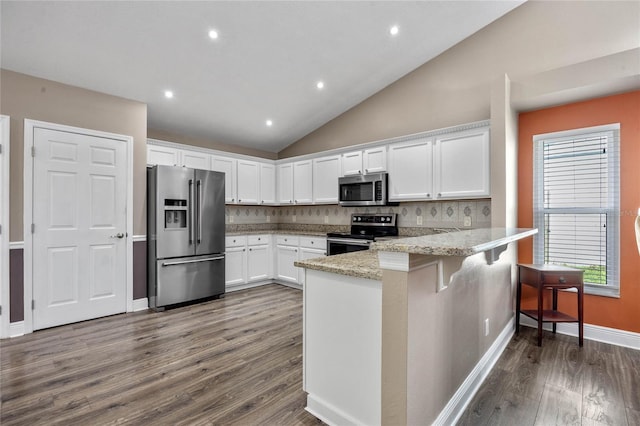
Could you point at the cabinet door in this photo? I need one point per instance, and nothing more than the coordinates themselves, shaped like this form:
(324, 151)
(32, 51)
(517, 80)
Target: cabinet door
(286, 270)
(267, 184)
(462, 165)
(352, 163)
(375, 160)
(235, 266)
(326, 171)
(163, 156)
(410, 170)
(228, 167)
(303, 182)
(196, 160)
(247, 183)
(285, 183)
(258, 259)
(307, 253)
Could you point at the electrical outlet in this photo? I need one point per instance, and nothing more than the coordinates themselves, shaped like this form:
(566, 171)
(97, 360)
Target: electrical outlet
(268, 219)
(486, 327)
(467, 221)
(231, 219)
(326, 219)
(419, 220)
(293, 218)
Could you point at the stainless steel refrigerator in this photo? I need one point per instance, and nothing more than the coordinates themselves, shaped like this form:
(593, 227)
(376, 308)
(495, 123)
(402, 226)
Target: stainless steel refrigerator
(185, 235)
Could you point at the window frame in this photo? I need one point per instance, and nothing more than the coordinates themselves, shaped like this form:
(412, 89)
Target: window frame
(612, 210)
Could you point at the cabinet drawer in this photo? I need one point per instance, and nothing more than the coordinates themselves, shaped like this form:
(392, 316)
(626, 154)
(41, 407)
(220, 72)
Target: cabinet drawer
(313, 242)
(254, 240)
(235, 241)
(562, 277)
(287, 240)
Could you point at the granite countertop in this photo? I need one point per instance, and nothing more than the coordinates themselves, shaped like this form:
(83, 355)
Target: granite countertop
(278, 231)
(462, 243)
(364, 264)
(359, 264)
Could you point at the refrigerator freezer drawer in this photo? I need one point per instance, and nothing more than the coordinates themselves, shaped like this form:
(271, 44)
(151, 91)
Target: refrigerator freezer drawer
(188, 278)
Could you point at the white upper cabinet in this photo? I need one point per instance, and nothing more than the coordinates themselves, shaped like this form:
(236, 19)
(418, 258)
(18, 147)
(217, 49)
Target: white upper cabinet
(374, 160)
(326, 171)
(228, 167)
(410, 170)
(267, 183)
(195, 160)
(285, 183)
(162, 155)
(303, 182)
(247, 183)
(462, 164)
(352, 163)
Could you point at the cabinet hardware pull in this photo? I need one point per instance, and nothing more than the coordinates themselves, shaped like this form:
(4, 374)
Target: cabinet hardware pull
(562, 280)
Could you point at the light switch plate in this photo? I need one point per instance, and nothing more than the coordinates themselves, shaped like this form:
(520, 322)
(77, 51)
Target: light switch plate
(467, 221)
(293, 218)
(419, 220)
(326, 219)
(231, 219)
(268, 219)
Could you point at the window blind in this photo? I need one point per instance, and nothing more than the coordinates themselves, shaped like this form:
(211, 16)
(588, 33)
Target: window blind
(576, 202)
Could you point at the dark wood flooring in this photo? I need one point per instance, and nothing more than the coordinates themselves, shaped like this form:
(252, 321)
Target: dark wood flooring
(559, 384)
(238, 361)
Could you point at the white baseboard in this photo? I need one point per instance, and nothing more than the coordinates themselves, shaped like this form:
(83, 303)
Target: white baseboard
(598, 333)
(467, 390)
(231, 289)
(16, 329)
(328, 413)
(140, 304)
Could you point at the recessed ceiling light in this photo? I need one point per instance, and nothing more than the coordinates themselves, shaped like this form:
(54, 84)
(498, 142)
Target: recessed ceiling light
(168, 94)
(269, 123)
(320, 85)
(394, 30)
(213, 34)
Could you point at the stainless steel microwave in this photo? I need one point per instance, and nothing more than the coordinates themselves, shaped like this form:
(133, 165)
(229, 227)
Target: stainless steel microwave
(363, 190)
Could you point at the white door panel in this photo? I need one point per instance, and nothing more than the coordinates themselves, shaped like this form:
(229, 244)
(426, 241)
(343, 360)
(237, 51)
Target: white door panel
(79, 209)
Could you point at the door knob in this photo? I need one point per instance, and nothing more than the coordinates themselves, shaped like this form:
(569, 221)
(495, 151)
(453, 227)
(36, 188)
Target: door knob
(118, 235)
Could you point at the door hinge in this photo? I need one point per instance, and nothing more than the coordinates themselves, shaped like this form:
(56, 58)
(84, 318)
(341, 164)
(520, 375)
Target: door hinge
(33, 305)
(33, 151)
(33, 228)
(0, 148)
(0, 310)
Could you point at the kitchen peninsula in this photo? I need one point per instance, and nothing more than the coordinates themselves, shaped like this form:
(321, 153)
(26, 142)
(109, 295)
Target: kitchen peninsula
(403, 333)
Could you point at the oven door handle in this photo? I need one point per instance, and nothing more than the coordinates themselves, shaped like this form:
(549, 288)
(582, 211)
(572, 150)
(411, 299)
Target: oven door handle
(354, 242)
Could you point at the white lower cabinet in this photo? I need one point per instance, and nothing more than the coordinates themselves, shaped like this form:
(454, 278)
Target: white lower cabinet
(235, 261)
(259, 258)
(286, 255)
(310, 247)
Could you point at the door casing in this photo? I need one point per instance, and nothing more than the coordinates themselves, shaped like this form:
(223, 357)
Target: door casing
(29, 126)
(4, 221)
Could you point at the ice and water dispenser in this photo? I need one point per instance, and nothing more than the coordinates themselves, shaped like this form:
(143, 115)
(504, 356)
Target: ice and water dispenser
(175, 214)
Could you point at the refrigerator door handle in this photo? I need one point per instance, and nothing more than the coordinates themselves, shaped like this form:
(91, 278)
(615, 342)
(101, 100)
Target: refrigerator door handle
(199, 211)
(182, 262)
(191, 214)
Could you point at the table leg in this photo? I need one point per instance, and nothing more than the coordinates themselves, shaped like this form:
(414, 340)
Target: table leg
(540, 288)
(580, 315)
(518, 295)
(555, 306)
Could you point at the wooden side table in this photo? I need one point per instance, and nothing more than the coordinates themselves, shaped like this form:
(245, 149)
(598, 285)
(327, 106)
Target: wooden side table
(552, 277)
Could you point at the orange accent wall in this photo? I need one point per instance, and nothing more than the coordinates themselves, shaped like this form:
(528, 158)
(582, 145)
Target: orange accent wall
(622, 313)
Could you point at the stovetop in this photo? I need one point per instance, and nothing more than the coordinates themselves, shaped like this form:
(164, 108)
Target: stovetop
(369, 226)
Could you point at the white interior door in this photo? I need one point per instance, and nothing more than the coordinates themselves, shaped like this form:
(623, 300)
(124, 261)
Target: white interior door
(80, 221)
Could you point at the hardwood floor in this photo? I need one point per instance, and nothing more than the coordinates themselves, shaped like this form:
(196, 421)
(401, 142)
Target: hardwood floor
(559, 384)
(236, 360)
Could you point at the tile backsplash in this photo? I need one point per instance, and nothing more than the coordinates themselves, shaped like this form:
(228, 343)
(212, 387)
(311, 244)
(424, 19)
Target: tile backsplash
(434, 214)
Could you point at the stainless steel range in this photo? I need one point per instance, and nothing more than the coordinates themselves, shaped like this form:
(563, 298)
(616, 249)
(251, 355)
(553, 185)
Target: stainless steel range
(365, 228)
